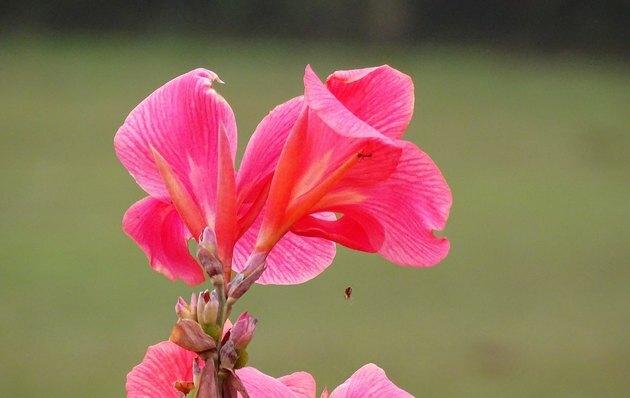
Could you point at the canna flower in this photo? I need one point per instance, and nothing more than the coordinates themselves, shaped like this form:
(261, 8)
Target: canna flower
(179, 145)
(369, 381)
(338, 149)
(168, 371)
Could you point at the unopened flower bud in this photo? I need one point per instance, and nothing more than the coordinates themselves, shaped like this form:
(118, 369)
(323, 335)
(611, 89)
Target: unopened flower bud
(255, 266)
(208, 316)
(228, 355)
(183, 310)
(188, 334)
(243, 330)
(201, 301)
(206, 254)
(193, 304)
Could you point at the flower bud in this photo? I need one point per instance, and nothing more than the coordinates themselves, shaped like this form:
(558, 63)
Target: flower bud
(188, 334)
(183, 310)
(255, 266)
(228, 355)
(208, 315)
(193, 304)
(243, 330)
(201, 301)
(206, 253)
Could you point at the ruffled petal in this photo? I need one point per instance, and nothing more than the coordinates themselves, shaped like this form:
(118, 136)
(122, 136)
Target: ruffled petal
(157, 228)
(181, 121)
(294, 259)
(369, 382)
(413, 202)
(260, 385)
(163, 365)
(355, 229)
(301, 383)
(328, 147)
(382, 97)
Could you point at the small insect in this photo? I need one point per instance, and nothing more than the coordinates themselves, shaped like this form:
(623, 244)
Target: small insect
(348, 292)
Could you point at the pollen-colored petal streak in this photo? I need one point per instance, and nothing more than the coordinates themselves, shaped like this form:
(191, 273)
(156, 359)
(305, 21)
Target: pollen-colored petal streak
(226, 213)
(157, 228)
(183, 202)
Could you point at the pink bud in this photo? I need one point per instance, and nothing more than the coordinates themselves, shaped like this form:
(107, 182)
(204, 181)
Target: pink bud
(208, 239)
(188, 334)
(255, 267)
(183, 310)
(207, 255)
(228, 355)
(243, 330)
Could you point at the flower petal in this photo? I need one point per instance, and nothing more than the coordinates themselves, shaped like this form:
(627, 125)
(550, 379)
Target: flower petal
(369, 382)
(328, 147)
(301, 383)
(382, 97)
(260, 385)
(408, 206)
(333, 112)
(355, 229)
(293, 260)
(157, 228)
(163, 365)
(264, 147)
(181, 121)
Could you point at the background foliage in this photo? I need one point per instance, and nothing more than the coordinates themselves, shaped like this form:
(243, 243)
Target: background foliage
(531, 302)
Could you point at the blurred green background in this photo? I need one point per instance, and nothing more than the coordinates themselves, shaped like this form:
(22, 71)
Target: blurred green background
(532, 301)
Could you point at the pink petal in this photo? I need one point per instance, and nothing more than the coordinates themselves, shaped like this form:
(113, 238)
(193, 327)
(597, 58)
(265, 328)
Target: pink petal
(260, 385)
(181, 121)
(355, 229)
(163, 365)
(413, 202)
(264, 147)
(301, 383)
(226, 226)
(369, 382)
(382, 97)
(157, 228)
(333, 112)
(294, 259)
(327, 147)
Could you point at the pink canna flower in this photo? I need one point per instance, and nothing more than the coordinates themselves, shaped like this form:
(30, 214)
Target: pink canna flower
(167, 367)
(179, 145)
(339, 149)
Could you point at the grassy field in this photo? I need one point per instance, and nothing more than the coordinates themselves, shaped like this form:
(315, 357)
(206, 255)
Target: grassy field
(532, 301)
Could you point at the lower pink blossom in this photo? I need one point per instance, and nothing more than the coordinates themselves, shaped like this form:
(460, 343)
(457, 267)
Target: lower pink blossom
(167, 364)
